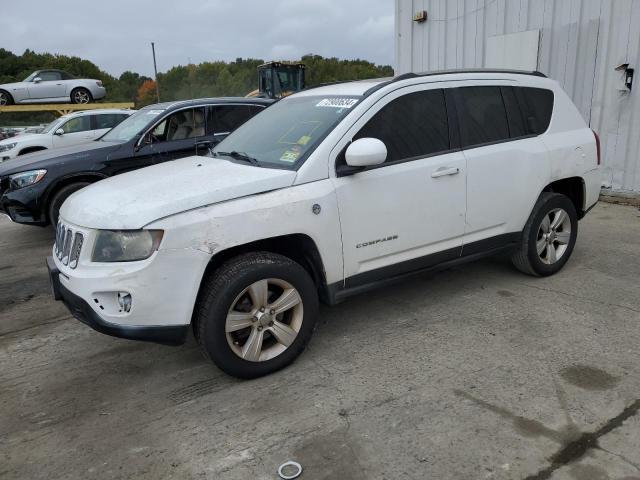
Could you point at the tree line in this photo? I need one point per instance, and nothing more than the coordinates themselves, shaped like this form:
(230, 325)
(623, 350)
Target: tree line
(207, 79)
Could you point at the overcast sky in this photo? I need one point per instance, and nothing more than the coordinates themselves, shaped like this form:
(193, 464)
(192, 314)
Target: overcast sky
(116, 34)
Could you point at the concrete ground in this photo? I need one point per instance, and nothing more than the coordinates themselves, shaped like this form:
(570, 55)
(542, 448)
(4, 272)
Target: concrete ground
(478, 372)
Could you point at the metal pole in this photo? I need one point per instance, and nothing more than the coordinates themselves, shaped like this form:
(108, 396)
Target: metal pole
(155, 70)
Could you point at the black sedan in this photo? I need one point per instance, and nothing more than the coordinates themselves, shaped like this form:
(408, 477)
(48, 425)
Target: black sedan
(34, 187)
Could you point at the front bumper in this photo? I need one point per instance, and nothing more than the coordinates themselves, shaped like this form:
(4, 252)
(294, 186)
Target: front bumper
(23, 205)
(81, 310)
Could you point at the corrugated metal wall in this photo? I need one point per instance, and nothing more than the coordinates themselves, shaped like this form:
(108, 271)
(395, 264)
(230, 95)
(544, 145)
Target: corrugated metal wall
(581, 43)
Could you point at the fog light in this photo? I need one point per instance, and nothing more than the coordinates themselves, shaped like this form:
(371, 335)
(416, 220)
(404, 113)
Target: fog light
(124, 300)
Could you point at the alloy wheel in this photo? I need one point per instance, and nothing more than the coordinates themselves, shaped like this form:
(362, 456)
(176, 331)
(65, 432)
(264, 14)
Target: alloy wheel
(264, 320)
(81, 97)
(4, 100)
(553, 237)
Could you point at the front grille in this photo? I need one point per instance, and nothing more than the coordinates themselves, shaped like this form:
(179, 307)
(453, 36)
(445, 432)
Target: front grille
(68, 245)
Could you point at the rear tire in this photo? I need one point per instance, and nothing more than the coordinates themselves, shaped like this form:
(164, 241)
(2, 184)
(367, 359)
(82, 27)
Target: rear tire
(548, 237)
(5, 98)
(58, 199)
(256, 314)
(81, 96)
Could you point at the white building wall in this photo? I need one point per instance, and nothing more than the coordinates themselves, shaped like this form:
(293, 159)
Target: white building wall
(581, 43)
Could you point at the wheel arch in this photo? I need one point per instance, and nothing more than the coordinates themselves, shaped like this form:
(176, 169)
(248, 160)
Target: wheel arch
(32, 149)
(299, 247)
(572, 187)
(8, 93)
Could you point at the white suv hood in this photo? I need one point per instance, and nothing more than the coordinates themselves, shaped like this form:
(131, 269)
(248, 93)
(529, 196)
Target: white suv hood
(137, 198)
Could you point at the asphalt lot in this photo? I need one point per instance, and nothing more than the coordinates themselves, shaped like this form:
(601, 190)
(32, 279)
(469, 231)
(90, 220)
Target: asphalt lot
(477, 372)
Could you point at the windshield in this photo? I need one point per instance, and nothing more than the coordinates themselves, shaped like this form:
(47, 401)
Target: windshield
(286, 133)
(131, 126)
(30, 77)
(52, 125)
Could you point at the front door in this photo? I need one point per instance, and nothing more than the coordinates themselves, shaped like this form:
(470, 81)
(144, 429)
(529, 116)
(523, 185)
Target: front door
(76, 130)
(50, 85)
(409, 212)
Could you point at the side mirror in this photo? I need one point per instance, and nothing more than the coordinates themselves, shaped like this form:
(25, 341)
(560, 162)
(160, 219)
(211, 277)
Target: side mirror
(366, 152)
(59, 132)
(37, 80)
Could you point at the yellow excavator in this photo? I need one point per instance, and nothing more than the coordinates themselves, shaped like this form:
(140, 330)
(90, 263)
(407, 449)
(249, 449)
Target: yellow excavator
(279, 79)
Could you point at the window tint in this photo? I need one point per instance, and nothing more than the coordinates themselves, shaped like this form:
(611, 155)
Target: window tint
(180, 126)
(481, 115)
(66, 76)
(226, 118)
(108, 120)
(77, 124)
(514, 113)
(414, 125)
(48, 76)
(537, 104)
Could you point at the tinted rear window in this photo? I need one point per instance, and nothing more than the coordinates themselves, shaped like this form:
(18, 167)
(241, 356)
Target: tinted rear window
(414, 125)
(482, 115)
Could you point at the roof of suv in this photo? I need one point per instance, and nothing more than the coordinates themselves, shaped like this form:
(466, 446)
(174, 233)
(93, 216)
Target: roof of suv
(98, 111)
(207, 101)
(368, 86)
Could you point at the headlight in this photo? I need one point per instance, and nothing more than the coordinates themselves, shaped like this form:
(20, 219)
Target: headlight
(7, 146)
(24, 179)
(125, 245)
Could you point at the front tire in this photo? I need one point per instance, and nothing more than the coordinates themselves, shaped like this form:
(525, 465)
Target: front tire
(256, 314)
(5, 98)
(81, 96)
(548, 237)
(58, 199)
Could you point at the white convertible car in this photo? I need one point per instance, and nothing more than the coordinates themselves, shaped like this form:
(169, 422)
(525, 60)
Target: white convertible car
(52, 86)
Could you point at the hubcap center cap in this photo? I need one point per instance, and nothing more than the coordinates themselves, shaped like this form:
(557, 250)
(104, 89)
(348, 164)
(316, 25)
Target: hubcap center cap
(264, 318)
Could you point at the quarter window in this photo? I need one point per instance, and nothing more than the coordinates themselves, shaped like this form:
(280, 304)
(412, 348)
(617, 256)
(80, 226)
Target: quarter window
(482, 115)
(537, 103)
(411, 126)
(77, 124)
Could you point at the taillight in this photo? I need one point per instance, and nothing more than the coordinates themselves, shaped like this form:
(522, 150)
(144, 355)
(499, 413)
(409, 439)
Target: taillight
(597, 144)
(99, 83)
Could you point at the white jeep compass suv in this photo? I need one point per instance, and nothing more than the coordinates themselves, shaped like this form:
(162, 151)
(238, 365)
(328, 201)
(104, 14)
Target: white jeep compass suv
(329, 192)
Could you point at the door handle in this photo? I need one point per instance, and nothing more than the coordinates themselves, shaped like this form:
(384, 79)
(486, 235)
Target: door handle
(442, 171)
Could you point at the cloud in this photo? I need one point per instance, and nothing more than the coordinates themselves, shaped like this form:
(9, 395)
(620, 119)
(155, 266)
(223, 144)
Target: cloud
(200, 31)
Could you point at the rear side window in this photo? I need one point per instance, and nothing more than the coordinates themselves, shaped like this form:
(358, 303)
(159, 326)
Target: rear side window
(537, 106)
(482, 115)
(108, 120)
(226, 118)
(414, 125)
(515, 116)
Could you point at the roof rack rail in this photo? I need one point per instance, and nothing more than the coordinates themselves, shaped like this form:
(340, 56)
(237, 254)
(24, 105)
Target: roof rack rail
(406, 76)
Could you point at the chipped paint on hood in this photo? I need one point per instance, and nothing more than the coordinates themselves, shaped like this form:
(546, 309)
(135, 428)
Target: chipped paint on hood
(135, 199)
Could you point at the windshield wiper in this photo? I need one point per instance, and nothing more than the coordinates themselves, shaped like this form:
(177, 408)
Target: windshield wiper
(239, 156)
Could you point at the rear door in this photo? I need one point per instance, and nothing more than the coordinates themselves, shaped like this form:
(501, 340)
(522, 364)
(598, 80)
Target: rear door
(507, 164)
(407, 213)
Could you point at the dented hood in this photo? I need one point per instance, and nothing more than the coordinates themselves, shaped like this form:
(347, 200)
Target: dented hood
(135, 199)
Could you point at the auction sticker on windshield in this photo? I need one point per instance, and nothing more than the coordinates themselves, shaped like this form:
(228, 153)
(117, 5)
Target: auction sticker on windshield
(337, 102)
